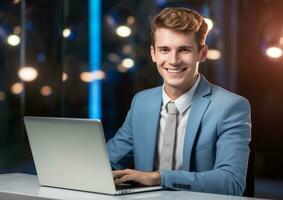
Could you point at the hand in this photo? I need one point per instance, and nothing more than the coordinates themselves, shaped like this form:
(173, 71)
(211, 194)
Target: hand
(143, 178)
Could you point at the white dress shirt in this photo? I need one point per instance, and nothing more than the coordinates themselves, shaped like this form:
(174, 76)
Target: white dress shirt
(183, 104)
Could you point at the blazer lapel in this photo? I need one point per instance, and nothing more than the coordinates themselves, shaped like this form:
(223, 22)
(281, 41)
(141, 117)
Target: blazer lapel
(151, 124)
(199, 105)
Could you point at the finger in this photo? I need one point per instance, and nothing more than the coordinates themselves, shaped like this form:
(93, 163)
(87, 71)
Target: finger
(129, 170)
(118, 176)
(118, 173)
(115, 173)
(123, 179)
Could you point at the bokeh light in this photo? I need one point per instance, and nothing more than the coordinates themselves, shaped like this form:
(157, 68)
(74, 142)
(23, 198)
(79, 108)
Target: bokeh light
(274, 52)
(131, 20)
(66, 32)
(13, 40)
(213, 54)
(209, 23)
(128, 63)
(28, 74)
(113, 57)
(17, 88)
(92, 76)
(2, 96)
(127, 49)
(123, 31)
(122, 69)
(17, 30)
(64, 76)
(46, 90)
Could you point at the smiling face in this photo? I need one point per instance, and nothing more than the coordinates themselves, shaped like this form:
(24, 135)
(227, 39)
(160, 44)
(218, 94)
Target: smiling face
(177, 59)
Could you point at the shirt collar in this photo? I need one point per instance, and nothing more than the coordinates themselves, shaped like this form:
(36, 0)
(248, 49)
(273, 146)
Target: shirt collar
(183, 102)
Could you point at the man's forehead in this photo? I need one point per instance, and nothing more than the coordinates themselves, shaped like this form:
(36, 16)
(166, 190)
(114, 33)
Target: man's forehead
(169, 36)
(174, 43)
(174, 46)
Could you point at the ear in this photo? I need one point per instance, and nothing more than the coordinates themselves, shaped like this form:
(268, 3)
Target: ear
(152, 53)
(203, 53)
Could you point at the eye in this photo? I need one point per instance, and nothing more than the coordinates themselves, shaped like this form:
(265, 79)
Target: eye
(185, 50)
(163, 50)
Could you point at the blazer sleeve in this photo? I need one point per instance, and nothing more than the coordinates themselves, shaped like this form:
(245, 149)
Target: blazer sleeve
(121, 145)
(228, 175)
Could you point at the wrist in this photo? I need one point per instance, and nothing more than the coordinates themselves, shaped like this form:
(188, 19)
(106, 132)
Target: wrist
(156, 178)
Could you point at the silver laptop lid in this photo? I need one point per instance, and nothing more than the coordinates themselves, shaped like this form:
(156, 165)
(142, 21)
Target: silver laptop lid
(70, 153)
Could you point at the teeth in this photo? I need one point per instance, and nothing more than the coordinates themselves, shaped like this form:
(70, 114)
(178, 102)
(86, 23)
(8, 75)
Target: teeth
(174, 70)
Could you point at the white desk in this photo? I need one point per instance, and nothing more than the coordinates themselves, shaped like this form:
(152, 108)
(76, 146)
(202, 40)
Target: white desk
(26, 187)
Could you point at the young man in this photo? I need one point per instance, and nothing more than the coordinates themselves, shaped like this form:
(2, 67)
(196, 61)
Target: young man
(187, 134)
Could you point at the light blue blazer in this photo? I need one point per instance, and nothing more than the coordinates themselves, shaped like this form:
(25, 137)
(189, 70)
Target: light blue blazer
(216, 145)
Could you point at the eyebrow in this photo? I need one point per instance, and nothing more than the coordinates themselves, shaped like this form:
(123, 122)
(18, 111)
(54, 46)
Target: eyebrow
(162, 47)
(180, 47)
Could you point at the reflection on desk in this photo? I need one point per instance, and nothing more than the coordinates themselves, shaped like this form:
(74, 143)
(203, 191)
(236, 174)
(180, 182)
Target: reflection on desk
(24, 186)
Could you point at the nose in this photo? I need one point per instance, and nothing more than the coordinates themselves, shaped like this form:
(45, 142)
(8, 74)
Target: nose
(174, 58)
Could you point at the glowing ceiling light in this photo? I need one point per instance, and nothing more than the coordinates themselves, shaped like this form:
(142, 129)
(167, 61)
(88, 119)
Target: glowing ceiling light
(13, 40)
(16, 1)
(213, 54)
(123, 31)
(46, 90)
(274, 52)
(209, 23)
(17, 88)
(128, 63)
(28, 74)
(66, 32)
(2, 96)
(64, 76)
(92, 76)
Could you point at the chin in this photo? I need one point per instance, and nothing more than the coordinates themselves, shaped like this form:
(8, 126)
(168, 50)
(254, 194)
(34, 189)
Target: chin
(174, 84)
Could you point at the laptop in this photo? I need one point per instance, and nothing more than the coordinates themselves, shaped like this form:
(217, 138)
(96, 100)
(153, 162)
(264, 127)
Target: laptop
(71, 153)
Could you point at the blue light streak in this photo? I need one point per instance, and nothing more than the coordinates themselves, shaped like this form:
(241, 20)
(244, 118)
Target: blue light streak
(95, 105)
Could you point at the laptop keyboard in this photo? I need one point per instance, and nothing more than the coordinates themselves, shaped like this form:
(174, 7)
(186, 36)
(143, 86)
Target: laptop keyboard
(128, 186)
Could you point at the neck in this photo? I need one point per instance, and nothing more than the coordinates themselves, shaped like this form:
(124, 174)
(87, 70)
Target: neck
(175, 92)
